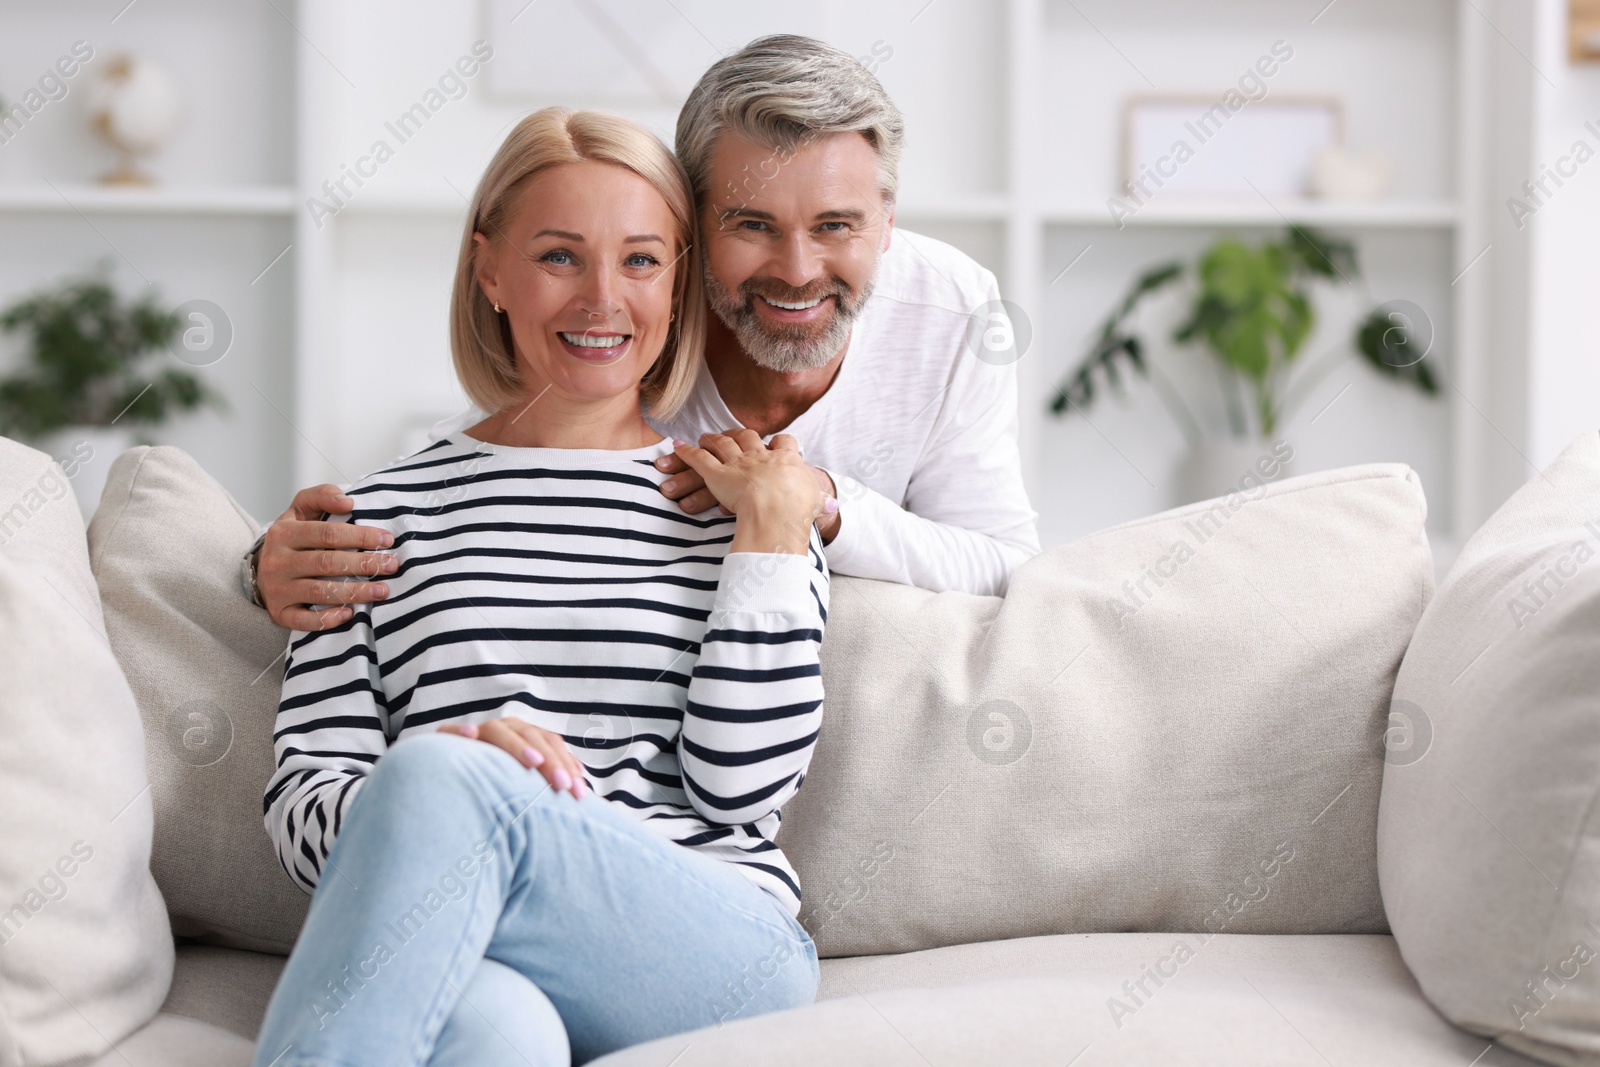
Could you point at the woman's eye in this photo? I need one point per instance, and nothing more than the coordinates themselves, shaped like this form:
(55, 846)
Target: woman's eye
(559, 257)
(641, 260)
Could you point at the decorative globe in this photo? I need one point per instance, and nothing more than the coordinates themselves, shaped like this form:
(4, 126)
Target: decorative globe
(135, 106)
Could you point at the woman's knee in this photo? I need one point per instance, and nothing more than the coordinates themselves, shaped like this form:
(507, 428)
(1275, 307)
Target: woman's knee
(502, 1017)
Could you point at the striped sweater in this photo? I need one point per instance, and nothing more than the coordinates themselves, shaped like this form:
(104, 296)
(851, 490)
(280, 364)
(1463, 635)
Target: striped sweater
(559, 586)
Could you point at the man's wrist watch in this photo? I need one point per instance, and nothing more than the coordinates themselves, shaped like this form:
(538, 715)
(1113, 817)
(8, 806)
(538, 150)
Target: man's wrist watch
(247, 571)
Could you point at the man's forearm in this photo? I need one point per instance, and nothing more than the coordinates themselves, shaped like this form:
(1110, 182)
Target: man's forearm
(881, 540)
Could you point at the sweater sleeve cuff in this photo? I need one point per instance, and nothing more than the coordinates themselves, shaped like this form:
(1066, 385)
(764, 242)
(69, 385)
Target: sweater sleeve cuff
(851, 546)
(765, 582)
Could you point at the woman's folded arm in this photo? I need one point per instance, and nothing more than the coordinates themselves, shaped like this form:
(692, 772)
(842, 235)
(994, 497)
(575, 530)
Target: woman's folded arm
(331, 729)
(755, 697)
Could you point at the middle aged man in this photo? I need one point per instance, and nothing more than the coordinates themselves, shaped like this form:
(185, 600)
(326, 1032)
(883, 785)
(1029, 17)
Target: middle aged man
(829, 325)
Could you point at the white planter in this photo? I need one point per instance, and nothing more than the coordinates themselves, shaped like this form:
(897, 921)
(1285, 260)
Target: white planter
(85, 454)
(1217, 468)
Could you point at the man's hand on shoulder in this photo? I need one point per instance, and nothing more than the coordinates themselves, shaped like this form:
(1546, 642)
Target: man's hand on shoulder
(689, 490)
(685, 486)
(302, 556)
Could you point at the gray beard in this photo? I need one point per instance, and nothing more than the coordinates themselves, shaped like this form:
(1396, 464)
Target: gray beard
(780, 348)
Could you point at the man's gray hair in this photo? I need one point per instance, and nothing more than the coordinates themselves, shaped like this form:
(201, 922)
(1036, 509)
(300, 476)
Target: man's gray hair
(778, 91)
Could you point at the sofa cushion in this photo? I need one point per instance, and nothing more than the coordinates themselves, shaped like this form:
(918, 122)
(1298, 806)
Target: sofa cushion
(206, 667)
(175, 1041)
(1174, 724)
(1489, 831)
(1066, 1000)
(226, 987)
(85, 950)
(1137, 737)
(41, 528)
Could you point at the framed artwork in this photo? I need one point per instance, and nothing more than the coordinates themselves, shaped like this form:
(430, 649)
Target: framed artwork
(1583, 30)
(1197, 144)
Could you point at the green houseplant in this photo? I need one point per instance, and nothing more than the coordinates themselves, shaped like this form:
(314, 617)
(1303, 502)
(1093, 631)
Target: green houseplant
(1252, 312)
(90, 376)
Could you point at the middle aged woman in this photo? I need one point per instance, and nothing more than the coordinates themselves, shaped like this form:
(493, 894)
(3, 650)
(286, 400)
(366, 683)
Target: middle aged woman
(484, 894)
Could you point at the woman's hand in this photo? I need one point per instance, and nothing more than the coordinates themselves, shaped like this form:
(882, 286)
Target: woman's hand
(530, 746)
(771, 490)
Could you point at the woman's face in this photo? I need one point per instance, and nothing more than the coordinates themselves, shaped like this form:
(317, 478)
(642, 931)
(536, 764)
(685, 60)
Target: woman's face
(584, 274)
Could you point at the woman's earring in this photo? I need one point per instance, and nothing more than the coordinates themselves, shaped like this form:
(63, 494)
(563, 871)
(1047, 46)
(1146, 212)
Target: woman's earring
(497, 308)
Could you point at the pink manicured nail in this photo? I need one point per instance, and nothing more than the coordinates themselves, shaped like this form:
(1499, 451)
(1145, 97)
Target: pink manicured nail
(830, 505)
(469, 729)
(579, 789)
(561, 779)
(532, 756)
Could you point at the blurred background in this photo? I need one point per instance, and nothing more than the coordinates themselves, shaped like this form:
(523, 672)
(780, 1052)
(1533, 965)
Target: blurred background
(259, 202)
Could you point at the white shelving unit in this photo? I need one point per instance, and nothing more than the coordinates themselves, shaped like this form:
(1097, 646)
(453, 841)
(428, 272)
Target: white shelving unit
(1419, 214)
(158, 200)
(1026, 195)
(1014, 117)
(217, 226)
(1073, 64)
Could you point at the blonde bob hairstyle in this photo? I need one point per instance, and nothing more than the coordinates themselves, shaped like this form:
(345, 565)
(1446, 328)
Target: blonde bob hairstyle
(480, 337)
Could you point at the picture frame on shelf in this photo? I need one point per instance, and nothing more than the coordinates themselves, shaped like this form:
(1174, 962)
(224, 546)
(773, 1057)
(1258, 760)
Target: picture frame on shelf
(1192, 144)
(1583, 30)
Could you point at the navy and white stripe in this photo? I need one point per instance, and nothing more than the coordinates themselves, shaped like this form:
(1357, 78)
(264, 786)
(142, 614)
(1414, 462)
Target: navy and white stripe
(561, 587)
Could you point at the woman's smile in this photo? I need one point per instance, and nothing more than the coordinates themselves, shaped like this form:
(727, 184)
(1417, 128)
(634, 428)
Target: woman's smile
(595, 346)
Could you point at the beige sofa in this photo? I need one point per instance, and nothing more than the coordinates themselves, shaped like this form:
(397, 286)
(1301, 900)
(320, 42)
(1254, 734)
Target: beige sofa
(1147, 808)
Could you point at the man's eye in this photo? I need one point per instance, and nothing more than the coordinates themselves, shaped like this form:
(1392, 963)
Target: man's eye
(833, 227)
(753, 225)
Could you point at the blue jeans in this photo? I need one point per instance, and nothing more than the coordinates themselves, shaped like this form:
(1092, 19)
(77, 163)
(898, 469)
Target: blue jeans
(468, 914)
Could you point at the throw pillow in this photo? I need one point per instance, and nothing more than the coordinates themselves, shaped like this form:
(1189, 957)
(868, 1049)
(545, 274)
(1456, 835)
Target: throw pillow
(1489, 827)
(206, 666)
